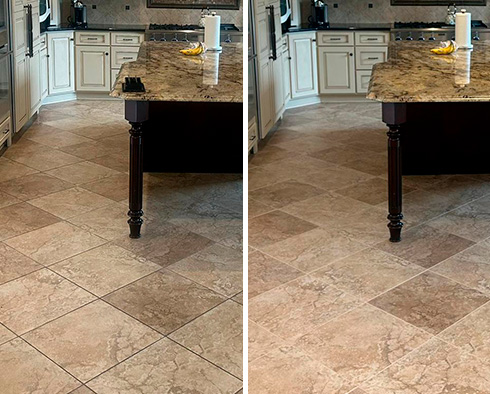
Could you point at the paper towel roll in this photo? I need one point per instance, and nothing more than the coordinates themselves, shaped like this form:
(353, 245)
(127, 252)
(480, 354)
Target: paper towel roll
(210, 74)
(463, 29)
(212, 32)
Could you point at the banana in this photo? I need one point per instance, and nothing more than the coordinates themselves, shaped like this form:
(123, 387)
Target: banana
(450, 48)
(199, 49)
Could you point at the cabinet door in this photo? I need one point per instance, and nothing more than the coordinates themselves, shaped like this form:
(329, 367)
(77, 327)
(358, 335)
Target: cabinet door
(265, 97)
(278, 85)
(21, 91)
(337, 70)
(367, 57)
(304, 75)
(20, 33)
(61, 63)
(44, 73)
(263, 38)
(93, 70)
(121, 55)
(286, 77)
(36, 26)
(35, 81)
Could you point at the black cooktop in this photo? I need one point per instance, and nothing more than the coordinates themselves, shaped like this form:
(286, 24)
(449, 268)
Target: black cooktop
(156, 26)
(433, 25)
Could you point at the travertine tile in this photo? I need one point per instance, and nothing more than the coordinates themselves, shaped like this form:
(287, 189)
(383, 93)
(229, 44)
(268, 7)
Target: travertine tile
(305, 144)
(284, 193)
(256, 208)
(288, 370)
(265, 273)
(216, 267)
(25, 370)
(274, 227)
(99, 332)
(7, 200)
(263, 176)
(82, 390)
(426, 246)
(37, 298)
(98, 131)
(114, 187)
(164, 300)
(5, 335)
(430, 302)
(117, 162)
(165, 367)
(54, 243)
(313, 249)
(71, 202)
(367, 273)
(238, 298)
(261, 341)
(297, 307)
(34, 186)
(104, 269)
(361, 343)
(56, 138)
(217, 336)
(21, 218)
(299, 168)
(336, 177)
(165, 244)
(272, 153)
(89, 150)
(11, 170)
(14, 264)
(84, 172)
(460, 188)
(436, 368)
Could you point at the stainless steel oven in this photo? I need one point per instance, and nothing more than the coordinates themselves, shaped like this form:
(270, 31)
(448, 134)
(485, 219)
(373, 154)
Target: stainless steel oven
(5, 63)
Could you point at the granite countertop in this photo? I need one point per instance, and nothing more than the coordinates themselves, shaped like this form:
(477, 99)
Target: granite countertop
(91, 26)
(344, 26)
(413, 74)
(171, 76)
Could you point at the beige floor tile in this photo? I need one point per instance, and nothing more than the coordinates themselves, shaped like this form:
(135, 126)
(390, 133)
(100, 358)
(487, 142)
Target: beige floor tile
(37, 298)
(426, 246)
(435, 368)
(7, 200)
(265, 273)
(313, 249)
(263, 176)
(306, 144)
(5, 335)
(472, 334)
(336, 177)
(104, 269)
(430, 302)
(83, 119)
(14, 264)
(284, 193)
(165, 244)
(238, 298)
(471, 267)
(33, 186)
(117, 162)
(368, 273)
(84, 172)
(297, 307)
(71, 202)
(274, 227)
(261, 341)
(361, 343)
(119, 141)
(326, 210)
(217, 336)
(56, 138)
(98, 131)
(271, 154)
(298, 168)
(89, 150)
(216, 267)
(165, 367)
(164, 300)
(256, 208)
(99, 332)
(288, 370)
(113, 187)
(54, 243)
(460, 188)
(340, 154)
(21, 218)
(284, 135)
(11, 170)
(82, 390)
(25, 370)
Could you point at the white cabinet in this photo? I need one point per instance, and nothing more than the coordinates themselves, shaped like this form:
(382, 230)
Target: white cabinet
(93, 68)
(367, 57)
(21, 92)
(127, 39)
(19, 27)
(92, 38)
(121, 55)
(35, 81)
(61, 63)
(372, 38)
(336, 70)
(362, 80)
(278, 86)
(263, 36)
(44, 73)
(338, 38)
(114, 73)
(286, 72)
(266, 90)
(303, 62)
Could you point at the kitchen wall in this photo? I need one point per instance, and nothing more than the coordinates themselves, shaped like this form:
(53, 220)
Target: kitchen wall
(353, 11)
(113, 11)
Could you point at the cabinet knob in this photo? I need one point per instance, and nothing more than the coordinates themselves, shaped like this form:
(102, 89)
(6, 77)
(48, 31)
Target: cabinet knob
(107, 53)
(313, 40)
(351, 54)
(72, 39)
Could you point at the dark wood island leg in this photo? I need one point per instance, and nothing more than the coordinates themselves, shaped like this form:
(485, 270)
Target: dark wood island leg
(394, 115)
(136, 113)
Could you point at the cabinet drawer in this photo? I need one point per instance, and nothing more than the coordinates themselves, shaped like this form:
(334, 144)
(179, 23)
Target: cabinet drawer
(362, 81)
(367, 57)
(337, 38)
(372, 38)
(121, 55)
(5, 130)
(252, 135)
(127, 39)
(92, 38)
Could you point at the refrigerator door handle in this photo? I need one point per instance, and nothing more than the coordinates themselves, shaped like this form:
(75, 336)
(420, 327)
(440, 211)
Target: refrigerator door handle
(272, 32)
(30, 33)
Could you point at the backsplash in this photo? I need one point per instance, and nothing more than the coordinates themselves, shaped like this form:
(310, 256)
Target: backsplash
(355, 11)
(114, 11)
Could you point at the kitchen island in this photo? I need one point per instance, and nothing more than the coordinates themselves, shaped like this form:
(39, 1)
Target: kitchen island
(437, 110)
(188, 119)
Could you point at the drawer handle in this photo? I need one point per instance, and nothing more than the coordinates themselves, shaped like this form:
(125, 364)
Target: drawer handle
(254, 137)
(335, 39)
(127, 39)
(92, 38)
(372, 39)
(127, 58)
(373, 58)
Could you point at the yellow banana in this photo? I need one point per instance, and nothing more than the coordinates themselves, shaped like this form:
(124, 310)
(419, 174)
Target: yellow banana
(193, 51)
(446, 50)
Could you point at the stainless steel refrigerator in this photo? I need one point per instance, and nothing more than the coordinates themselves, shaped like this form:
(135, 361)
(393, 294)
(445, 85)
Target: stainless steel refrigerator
(5, 74)
(253, 103)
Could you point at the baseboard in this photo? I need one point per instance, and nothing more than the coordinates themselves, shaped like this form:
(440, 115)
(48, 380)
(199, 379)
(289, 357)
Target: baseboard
(59, 98)
(345, 98)
(303, 102)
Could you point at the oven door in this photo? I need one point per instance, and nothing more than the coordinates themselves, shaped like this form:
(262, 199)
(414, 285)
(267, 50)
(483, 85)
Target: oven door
(4, 83)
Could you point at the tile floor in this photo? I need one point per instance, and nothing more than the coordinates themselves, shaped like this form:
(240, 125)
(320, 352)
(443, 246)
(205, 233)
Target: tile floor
(85, 309)
(334, 307)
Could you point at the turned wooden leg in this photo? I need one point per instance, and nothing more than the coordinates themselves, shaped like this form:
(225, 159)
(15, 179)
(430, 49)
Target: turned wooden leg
(135, 180)
(136, 112)
(394, 183)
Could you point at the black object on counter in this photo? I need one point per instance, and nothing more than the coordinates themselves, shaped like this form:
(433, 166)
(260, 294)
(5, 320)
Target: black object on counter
(133, 84)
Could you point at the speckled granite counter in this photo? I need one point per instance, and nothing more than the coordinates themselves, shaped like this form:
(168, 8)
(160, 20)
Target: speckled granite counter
(169, 75)
(413, 74)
